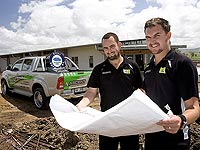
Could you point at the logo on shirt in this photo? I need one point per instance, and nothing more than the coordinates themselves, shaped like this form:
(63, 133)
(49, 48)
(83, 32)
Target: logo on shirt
(147, 71)
(126, 71)
(106, 72)
(162, 70)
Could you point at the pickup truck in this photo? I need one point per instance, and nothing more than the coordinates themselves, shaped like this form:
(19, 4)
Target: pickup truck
(35, 77)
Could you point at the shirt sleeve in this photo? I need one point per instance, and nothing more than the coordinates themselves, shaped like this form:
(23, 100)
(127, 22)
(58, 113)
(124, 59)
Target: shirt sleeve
(94, 78)
(187, 78)
(137, 75)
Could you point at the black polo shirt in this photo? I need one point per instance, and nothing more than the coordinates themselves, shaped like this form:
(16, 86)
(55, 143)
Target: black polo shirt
(173, 79)
(115, 85)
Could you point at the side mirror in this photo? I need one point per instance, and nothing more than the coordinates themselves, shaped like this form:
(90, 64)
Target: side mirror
(8, 67)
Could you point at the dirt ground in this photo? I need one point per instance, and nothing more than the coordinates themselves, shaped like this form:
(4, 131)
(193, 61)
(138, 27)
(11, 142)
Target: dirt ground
(25, 127)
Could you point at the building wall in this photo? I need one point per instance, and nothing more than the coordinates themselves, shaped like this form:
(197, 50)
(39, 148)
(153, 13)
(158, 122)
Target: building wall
(13, 59)
(7, 60)
(83, 53)
(3, 64)
(135, 48)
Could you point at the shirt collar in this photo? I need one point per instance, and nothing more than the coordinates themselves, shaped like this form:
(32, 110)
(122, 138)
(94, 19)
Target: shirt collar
(125, 61)
(169, 56)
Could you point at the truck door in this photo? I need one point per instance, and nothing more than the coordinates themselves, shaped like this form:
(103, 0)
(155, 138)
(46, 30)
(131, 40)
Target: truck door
(25, 75)
(13, 79)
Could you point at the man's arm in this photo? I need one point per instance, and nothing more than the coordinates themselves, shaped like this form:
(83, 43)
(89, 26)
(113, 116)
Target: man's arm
(192, 110)
(88, 98)
(173, 124)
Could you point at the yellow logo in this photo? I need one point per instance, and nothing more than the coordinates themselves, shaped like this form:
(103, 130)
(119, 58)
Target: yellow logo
(126, 71)
(162, 70)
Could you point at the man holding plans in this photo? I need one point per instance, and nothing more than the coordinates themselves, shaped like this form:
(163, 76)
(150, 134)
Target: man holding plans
(116, 78)
(171, 81)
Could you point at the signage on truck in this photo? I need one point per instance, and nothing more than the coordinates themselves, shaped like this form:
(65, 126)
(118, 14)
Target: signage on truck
(57, 60)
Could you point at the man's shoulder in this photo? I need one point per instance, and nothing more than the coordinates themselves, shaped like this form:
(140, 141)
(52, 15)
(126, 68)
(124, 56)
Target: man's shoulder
(101, 65)
(129, 61)
(105, 62)
(181, 59)
(180, 56)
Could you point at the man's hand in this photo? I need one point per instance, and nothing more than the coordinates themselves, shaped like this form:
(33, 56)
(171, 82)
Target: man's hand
(88, 98)
(172, 124)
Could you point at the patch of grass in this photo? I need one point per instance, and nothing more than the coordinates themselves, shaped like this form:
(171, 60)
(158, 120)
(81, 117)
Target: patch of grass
(193, 55)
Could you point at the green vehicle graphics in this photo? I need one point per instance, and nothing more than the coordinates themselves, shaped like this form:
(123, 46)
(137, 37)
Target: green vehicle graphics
(35, 77)
(16, 79)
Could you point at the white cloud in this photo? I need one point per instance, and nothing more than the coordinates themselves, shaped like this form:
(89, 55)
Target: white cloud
(184, 19)
(45, 24)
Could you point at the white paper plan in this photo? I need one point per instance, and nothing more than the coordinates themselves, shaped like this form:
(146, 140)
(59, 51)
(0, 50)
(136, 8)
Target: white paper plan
(137, 114)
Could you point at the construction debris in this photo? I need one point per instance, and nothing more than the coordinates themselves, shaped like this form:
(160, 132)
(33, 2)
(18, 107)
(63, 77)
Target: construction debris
(44, 134)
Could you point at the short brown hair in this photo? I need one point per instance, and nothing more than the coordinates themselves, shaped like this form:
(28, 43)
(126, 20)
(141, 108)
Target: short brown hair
(158, 21)
(108, 35)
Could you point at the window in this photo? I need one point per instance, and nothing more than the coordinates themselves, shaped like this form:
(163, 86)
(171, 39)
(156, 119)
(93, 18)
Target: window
(39, 66)
(48, 66)
(75, 59)
(27, 64)
(17, 65)
(91, 63)
(70, 65)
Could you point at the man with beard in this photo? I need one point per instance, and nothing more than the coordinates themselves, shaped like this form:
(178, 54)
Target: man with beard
(171, 81)
(116, 78)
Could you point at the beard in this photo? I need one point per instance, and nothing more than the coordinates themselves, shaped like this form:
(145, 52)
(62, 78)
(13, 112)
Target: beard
(158, 52)
(114, 57)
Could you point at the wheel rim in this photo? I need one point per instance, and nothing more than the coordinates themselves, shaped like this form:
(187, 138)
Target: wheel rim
(38, 99)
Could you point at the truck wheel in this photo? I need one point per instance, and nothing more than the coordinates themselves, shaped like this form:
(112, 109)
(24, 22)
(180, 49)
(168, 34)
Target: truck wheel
(4, 88)
(40, 99)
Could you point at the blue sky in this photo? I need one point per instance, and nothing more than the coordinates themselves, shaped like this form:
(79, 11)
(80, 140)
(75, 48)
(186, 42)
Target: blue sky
(40, 24)
(9, 10)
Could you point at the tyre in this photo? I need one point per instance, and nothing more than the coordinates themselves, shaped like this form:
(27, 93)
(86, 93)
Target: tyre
(4, 88)
(40, 99)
